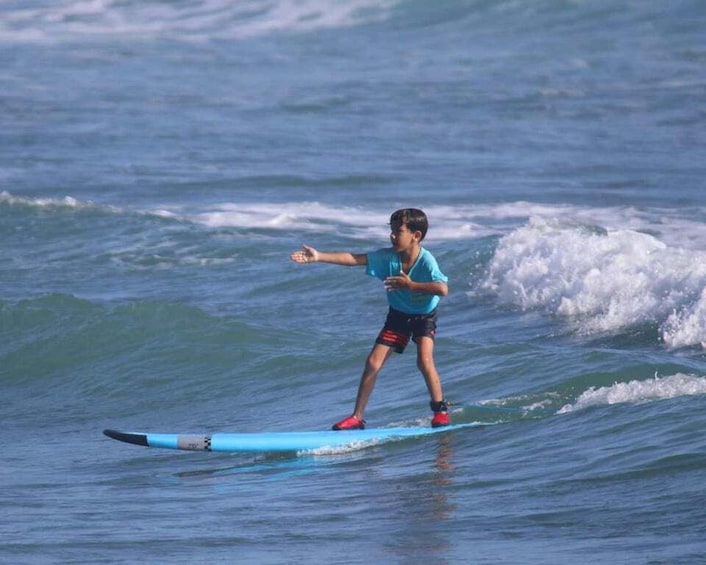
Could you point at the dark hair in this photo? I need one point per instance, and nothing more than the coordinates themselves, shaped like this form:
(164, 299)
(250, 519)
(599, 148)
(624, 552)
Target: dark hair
(414, 219)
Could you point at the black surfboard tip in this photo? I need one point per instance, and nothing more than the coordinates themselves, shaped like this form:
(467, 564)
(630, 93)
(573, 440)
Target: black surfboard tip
(136, 439)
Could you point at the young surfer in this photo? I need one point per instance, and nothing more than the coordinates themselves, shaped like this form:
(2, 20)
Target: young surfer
(415, 285)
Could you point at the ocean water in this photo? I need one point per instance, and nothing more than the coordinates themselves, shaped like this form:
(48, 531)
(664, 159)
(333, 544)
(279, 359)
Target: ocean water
(160, 160)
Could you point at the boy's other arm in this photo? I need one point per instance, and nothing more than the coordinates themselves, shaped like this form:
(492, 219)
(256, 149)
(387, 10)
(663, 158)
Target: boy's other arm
(310, 255)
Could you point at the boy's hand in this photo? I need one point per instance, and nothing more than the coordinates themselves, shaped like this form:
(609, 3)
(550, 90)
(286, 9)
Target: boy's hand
(398, 282)
(305, 255)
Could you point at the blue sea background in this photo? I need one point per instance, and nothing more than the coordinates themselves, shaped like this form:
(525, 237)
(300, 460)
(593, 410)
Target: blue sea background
(160, 160)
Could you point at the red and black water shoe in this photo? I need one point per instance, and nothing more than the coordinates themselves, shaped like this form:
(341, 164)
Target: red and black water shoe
(350, 423)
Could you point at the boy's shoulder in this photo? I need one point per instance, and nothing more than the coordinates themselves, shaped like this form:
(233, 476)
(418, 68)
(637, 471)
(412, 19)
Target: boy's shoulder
(382, 252)
(426, 254)
(390, 253)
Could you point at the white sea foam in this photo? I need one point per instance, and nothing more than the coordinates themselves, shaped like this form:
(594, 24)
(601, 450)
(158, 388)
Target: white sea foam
(687, 326)
(304, 216)
(343, 449)
(636, 392)
(65, 202)
(191, 21)
(602, 280)
(449, 222)
(456, 222)
(352, 221)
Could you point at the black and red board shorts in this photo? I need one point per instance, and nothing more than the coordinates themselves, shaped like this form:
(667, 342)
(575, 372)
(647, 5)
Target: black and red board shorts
(400, 327)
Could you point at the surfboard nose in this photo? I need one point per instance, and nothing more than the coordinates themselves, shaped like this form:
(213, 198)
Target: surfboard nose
(137, 439)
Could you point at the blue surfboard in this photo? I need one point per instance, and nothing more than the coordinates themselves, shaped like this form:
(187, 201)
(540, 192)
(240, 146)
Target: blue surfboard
(270, 442)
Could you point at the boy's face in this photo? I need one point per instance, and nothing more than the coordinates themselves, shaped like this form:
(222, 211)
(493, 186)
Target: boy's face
(402, 239)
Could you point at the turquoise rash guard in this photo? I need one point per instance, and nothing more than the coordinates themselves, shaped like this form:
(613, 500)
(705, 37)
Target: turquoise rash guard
(386, 262)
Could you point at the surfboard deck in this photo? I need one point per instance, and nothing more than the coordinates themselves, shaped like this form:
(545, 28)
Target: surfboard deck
(270, 442)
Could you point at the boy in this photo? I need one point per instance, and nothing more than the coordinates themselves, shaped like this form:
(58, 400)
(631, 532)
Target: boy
(415, 284)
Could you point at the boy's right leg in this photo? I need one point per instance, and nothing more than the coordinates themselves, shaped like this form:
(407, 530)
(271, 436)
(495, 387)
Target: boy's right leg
(375, 361)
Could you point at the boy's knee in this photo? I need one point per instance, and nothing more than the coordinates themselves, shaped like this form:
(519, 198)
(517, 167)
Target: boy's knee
(373, 364)
(425, 364)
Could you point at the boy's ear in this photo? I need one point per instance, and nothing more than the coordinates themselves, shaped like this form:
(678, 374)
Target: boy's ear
(418, 235)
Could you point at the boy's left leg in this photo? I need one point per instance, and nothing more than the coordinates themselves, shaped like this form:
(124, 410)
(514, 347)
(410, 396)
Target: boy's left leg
(425, 362)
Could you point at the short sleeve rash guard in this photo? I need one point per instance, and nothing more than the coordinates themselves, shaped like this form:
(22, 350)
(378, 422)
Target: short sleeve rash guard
(386, 262)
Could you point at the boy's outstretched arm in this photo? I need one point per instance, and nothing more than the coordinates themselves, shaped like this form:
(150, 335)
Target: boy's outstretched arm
(310, 255)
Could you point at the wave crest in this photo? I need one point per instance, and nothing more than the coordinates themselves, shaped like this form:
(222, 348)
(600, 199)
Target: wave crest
(602, 280)
(637, 392)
